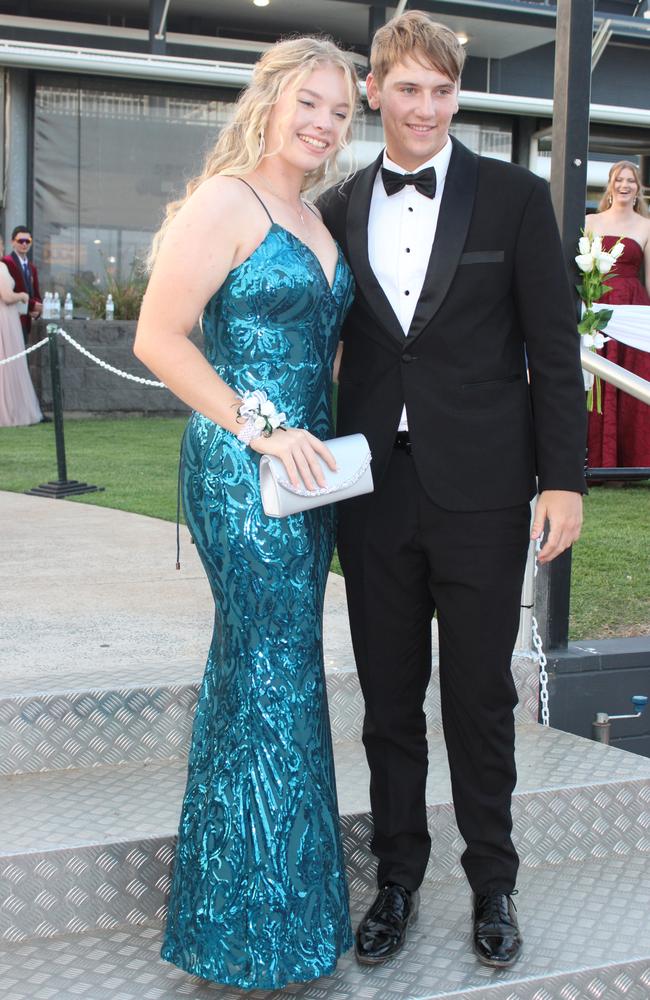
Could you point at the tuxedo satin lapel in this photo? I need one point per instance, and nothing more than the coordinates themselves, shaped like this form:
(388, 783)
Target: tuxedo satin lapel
(360, 196)
(451, 232)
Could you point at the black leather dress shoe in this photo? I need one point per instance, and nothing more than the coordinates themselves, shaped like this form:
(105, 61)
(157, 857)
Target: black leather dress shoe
(497, 939)
(382, 932)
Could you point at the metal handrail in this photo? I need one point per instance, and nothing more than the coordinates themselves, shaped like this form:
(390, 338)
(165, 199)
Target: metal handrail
(619, 377)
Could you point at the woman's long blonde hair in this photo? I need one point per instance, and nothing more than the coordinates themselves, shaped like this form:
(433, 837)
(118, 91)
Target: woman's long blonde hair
(607, 198)
(240, 147)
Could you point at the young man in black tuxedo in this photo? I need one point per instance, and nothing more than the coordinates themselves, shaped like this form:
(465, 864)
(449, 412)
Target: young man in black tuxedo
(461, 366)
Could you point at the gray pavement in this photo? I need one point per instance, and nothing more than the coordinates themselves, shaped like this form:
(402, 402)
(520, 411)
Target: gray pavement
(89, 592)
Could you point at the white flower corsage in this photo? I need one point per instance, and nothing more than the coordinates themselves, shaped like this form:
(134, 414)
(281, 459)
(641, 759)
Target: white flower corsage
(258, 416)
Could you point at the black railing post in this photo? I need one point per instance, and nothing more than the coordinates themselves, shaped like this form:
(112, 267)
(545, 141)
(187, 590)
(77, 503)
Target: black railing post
(570, 138)
(57, 402)
(61, 487)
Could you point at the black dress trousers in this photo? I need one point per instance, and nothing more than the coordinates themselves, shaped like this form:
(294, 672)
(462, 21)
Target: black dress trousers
(405, 558)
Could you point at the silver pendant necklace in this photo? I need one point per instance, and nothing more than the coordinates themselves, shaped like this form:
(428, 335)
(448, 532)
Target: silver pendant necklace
(298, 211)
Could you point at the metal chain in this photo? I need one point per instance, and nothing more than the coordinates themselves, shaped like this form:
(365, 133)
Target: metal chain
(22, 354)
(540, 654)
(106, 366)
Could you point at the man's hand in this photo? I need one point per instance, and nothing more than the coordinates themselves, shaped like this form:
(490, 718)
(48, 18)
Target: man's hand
(37, 309)
(564, 512)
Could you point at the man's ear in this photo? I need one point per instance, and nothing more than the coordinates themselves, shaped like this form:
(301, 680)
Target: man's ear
(372, 92)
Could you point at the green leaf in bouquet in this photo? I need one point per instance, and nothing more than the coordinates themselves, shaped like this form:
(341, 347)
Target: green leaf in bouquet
(603, 317)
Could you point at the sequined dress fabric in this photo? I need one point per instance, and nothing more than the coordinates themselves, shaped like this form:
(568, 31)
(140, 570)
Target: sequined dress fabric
(259, 896)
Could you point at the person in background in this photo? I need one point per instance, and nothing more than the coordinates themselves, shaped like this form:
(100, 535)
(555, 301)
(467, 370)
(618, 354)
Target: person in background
(619, 437)
(25, 276)
(18, 402)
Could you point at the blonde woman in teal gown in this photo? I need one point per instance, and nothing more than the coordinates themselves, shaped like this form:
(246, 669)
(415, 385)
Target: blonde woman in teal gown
(258, 896)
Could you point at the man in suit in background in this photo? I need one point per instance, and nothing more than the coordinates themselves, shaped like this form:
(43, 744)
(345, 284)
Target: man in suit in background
(25, 275)
(462, 298)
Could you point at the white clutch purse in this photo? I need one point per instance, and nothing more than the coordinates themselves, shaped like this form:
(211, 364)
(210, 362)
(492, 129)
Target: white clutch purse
(352, 478)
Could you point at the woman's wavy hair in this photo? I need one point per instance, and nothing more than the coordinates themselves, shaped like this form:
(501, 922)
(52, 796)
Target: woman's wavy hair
(240, 147)
(606, 200)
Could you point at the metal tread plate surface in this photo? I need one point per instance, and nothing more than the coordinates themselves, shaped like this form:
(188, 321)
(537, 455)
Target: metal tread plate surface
(78, 845)
(146, 714)
(585, 927)
(48, 810)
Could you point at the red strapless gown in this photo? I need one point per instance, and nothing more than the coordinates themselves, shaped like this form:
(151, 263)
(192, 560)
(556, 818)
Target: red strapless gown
(620, 436)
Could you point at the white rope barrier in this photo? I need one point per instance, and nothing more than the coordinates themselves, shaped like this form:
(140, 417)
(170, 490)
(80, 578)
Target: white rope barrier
(22, 354)
(82, 350)
(106, 366)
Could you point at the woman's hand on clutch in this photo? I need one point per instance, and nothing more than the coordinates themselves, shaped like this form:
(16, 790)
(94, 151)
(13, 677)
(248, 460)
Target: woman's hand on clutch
(301, 454)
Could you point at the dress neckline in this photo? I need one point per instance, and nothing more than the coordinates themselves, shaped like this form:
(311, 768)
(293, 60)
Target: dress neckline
(612, 237)
(313, 253)
(283, 229)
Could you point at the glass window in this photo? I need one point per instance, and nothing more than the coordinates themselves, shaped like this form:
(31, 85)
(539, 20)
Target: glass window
(108, 156)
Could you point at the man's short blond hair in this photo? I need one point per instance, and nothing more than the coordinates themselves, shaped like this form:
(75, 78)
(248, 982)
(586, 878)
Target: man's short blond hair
(415, 34)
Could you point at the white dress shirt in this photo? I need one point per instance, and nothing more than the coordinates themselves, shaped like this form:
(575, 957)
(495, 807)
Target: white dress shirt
(401, 230)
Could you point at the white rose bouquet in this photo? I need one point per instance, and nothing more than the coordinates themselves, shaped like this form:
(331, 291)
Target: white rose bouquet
(594, 263)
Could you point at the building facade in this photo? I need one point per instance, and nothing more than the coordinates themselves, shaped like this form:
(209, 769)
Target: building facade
(108, 113)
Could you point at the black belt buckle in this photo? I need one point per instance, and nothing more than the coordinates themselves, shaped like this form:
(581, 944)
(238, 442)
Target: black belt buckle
(403, 441)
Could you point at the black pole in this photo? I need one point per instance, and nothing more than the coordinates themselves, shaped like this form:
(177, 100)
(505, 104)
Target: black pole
(570, 132)
(570, 138)
(57, 403)
(157, 46)
(62, 487)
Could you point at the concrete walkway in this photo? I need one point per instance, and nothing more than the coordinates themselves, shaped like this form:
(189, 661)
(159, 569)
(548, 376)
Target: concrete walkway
(92, 593)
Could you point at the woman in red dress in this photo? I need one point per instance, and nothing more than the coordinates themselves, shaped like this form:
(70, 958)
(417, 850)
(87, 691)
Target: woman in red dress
(620, 436)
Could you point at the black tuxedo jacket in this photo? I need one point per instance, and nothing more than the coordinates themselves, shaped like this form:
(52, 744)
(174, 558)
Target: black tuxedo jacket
(496, 307)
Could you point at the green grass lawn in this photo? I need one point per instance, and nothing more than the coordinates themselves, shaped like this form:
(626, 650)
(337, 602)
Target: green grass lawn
(135, 460)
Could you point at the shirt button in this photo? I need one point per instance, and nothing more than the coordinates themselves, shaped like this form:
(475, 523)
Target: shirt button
(408, 249)
(407, 292)
(410, 209)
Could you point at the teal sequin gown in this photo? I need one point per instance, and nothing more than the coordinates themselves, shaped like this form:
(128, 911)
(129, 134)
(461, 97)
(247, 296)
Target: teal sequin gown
(259, 896)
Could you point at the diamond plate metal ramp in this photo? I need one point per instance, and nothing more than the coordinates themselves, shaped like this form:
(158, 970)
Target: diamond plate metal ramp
(93, 847)
(146, 714)
(586, 937)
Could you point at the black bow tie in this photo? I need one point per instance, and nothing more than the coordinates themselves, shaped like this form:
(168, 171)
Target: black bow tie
(424, 181)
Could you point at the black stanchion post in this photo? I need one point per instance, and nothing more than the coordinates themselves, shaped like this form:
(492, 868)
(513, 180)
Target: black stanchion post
(62, 487)
(57, 403)
(571, 96)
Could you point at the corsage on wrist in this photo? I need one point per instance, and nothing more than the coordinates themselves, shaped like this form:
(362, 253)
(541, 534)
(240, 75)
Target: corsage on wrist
(258, 416)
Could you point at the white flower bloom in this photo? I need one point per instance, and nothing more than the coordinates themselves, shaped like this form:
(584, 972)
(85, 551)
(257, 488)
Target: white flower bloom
(274, 420)
(605, 262)
(260, 423)
(267, 408)
(584, 244)
(585, 262)
(617, 250)
(587, 340)
(599, 340)
(597, 246)
(282, 417)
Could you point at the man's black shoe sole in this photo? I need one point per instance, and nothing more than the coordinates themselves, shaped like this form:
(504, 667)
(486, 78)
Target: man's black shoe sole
(494, 964)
